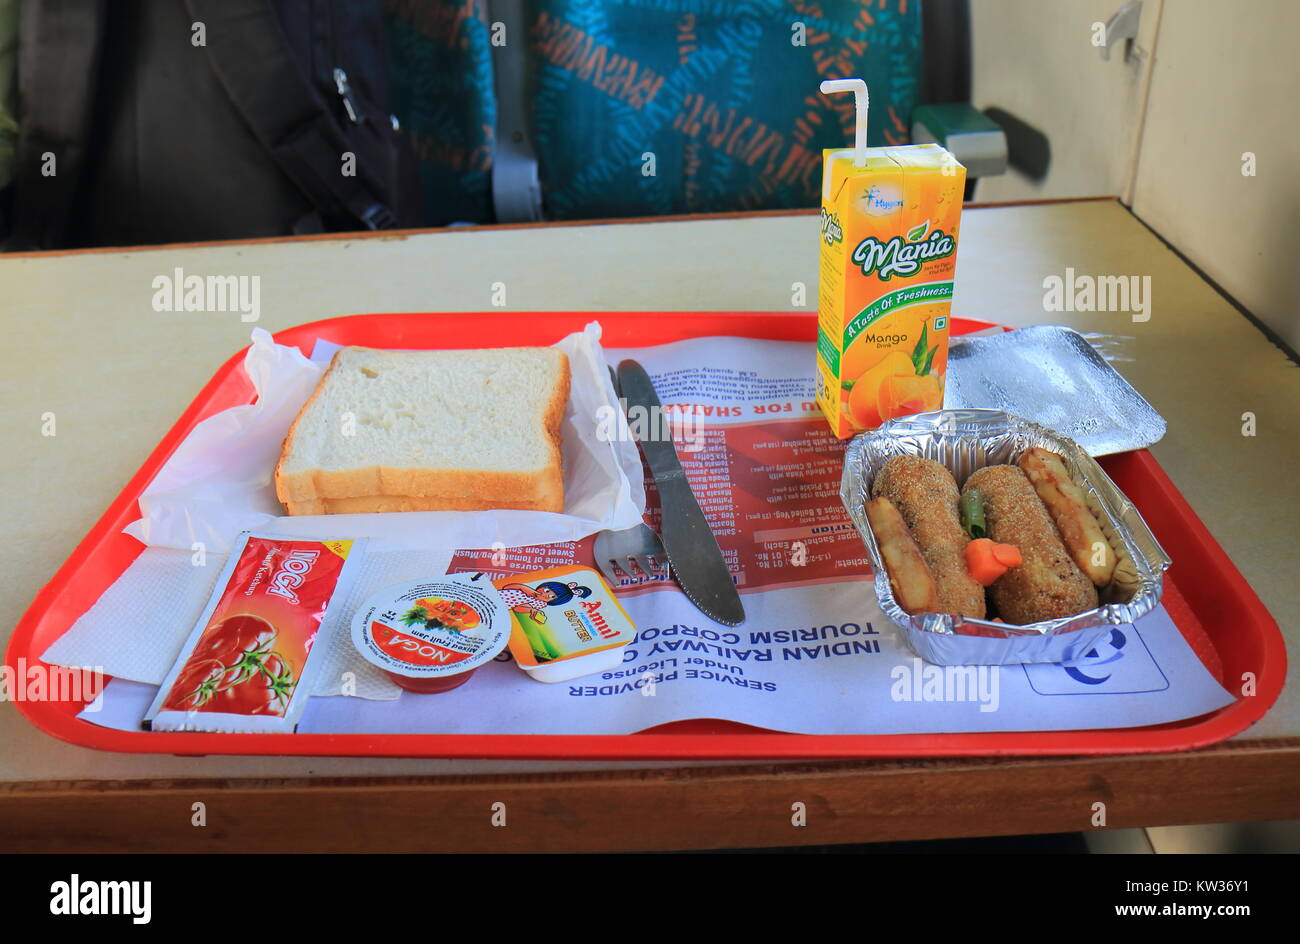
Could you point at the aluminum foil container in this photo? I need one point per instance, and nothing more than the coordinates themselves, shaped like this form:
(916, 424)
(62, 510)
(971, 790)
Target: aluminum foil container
(966, 440)
(1053, 376)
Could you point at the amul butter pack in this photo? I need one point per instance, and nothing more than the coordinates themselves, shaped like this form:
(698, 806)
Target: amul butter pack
(889, 223)
(567, 623)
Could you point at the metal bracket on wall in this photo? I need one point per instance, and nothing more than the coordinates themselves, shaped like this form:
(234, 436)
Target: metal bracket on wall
(516, 190)
(1122, 27)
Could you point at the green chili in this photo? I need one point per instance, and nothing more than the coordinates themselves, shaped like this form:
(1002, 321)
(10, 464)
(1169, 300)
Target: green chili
(972, 513)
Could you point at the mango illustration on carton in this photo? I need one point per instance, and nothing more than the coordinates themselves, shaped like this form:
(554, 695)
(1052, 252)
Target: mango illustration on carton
(889, 223)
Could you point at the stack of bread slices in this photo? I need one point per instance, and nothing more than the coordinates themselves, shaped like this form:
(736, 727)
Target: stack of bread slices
(448, 430)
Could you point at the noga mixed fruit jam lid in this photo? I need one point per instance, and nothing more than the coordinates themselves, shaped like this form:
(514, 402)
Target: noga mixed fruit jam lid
(430, 636)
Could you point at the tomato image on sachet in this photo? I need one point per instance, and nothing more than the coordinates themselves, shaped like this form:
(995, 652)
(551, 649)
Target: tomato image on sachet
(235, 668)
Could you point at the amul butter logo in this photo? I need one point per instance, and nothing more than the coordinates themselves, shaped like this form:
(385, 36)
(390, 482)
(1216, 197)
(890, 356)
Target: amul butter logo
(598, 620)
(903, 256)
(832, 232)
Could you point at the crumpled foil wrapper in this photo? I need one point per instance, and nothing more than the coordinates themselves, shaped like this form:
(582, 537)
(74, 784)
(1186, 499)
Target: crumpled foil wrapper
(966, 440)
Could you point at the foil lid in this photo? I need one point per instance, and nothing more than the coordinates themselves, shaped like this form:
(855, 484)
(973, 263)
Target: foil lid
(966, 440)
(1052, 375)
(432, 628)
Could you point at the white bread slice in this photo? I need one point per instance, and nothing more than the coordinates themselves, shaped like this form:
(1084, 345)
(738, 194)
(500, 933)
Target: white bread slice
(460, 429)
(371, 504)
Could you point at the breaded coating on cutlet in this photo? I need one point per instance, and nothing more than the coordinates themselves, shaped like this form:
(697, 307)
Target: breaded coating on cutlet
(1047, 584)
(925, 494)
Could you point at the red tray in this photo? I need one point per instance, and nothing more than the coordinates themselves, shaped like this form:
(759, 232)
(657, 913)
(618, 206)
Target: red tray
(1208, 599)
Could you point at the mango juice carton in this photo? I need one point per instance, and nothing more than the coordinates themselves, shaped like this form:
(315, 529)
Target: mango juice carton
(888, 252)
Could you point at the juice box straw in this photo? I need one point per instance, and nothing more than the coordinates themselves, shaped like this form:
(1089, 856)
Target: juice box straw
(861, 104)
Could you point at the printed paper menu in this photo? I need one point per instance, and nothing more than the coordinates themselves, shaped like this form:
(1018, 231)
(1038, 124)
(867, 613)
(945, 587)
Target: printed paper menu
(815, 654)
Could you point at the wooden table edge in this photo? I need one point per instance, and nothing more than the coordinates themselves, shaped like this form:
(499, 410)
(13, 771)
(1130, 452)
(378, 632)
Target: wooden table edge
(715, 807)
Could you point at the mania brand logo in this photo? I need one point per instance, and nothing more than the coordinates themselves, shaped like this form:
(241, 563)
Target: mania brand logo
(903, 255)
(832, 232)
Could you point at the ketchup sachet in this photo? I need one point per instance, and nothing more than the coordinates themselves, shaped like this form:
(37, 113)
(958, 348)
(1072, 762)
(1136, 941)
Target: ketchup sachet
(248, 664)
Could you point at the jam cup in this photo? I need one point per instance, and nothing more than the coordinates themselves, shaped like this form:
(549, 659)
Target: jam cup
(430, 636)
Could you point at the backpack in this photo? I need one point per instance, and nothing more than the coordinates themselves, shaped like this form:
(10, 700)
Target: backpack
(145, 122)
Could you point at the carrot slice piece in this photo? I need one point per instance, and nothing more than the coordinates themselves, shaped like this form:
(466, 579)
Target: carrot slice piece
(986, 560)
(1007, 555)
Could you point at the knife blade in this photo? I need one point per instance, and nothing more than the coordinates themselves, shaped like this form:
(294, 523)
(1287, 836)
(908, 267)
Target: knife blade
(691, 546)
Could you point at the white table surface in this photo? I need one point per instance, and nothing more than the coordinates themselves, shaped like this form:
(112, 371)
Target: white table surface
(84, 342)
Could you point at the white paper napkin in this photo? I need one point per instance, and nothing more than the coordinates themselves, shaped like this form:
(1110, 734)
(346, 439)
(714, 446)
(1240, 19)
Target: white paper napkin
(220, 479)
(136, 629)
